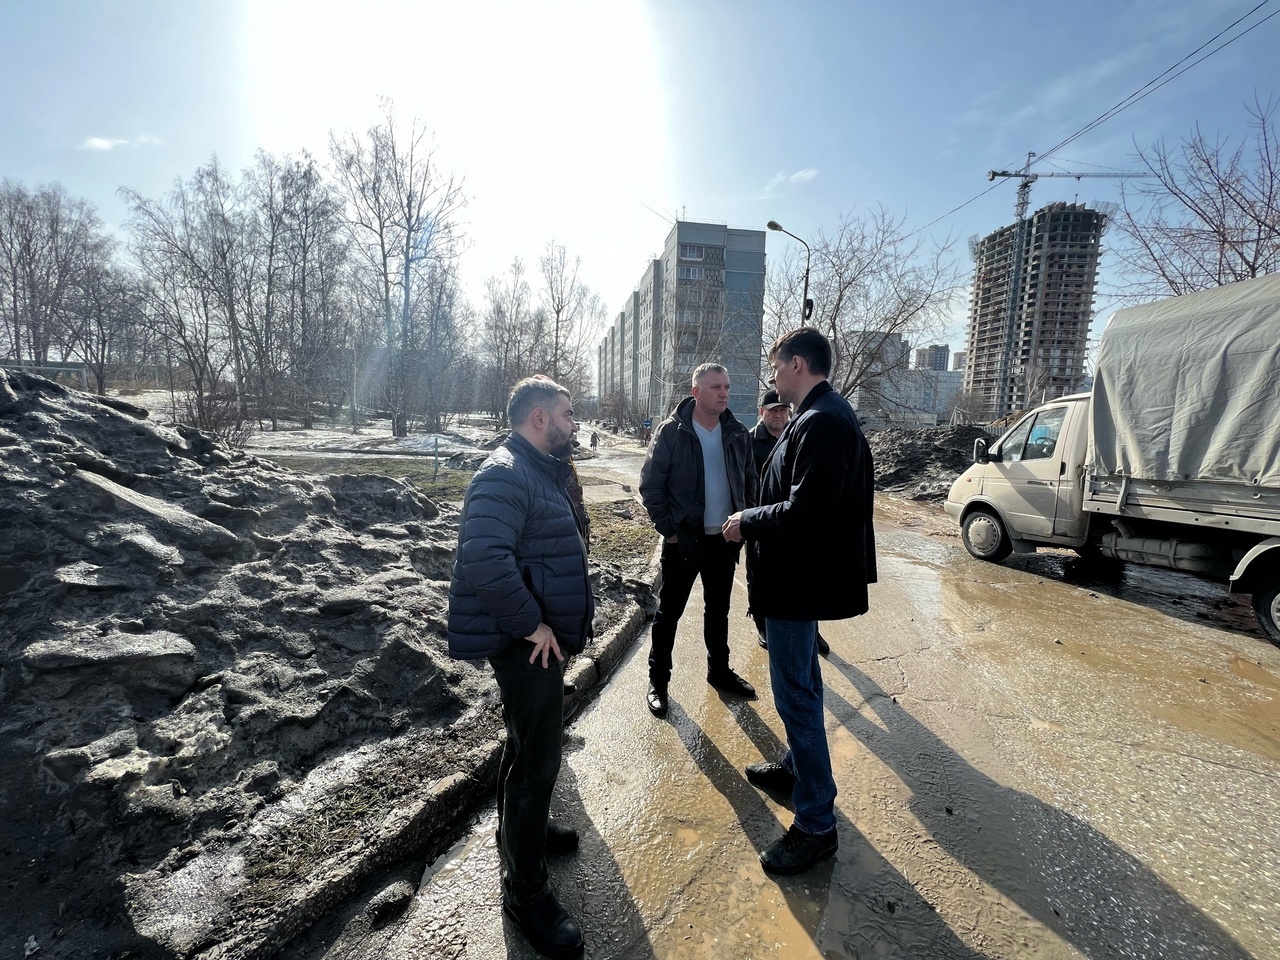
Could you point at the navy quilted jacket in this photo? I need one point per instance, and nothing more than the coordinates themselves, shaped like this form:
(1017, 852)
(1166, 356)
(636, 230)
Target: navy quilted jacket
(521, 557)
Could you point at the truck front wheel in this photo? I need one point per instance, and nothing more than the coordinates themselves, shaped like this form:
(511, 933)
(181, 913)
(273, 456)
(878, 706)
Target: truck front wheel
(984, 536)
(1266, 608)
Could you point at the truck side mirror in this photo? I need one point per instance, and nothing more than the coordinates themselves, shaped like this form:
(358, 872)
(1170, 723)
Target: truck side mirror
(980, 454)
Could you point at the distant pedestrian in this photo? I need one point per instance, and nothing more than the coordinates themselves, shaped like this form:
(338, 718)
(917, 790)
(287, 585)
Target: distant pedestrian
(815, 555)
(520, 597)
(698, 470)
(595, 441)
(774, 415)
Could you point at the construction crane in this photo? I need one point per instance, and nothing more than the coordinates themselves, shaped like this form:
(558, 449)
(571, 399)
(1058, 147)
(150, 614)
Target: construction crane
(1026, 179)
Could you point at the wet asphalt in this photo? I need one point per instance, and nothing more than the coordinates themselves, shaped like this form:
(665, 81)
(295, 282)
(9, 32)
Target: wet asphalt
(1030, 764)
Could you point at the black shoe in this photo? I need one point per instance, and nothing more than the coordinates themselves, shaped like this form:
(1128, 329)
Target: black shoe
(762, 640)
(824, 648)
(730, 682)
(657, 700)
(547, 927)
(560, 839)
(797, 851)
(773, 777)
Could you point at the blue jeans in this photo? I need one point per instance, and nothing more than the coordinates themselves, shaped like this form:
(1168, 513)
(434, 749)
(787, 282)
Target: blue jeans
(796, 678)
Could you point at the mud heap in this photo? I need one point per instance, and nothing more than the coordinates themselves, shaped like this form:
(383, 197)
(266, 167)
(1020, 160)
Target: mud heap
(224, 692)
(921, 464)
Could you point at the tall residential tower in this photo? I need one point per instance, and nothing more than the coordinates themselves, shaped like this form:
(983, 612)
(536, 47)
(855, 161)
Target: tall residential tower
(1035, 351)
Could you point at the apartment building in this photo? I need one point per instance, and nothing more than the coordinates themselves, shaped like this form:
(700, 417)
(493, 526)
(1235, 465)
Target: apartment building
(933, 357)
(701, 300)
(1036, 352)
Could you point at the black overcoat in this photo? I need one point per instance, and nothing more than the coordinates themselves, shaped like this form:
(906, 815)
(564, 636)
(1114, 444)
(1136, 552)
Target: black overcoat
(812, 538)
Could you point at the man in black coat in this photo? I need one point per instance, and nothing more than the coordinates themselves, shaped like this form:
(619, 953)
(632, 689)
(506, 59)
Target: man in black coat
(521, 597)
(774, 415)
(699, 469)
(815, 504)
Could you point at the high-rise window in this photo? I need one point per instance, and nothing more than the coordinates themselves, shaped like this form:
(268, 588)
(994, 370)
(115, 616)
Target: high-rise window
(691, 251)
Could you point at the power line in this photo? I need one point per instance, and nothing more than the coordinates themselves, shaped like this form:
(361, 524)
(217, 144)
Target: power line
(667, 217)
(954, 210)
(1139, 94)
(1151, 86)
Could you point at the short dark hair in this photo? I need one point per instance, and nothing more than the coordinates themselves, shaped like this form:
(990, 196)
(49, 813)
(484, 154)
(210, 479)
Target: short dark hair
(809, 344)
(531, 393)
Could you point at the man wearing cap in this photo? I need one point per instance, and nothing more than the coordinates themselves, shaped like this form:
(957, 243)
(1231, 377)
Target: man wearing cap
(774, 415)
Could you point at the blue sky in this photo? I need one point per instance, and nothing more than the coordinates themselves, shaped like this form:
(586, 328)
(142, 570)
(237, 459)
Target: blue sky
(576, 121)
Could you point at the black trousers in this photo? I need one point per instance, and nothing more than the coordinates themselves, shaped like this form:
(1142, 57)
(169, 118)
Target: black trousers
(533, 710)
(714, 561)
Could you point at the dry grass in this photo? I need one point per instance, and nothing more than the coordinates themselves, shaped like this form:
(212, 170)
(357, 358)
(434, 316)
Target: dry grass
(616, 539)
(443, 484)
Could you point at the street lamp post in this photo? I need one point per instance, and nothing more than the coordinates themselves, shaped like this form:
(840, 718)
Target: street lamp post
(806, 305)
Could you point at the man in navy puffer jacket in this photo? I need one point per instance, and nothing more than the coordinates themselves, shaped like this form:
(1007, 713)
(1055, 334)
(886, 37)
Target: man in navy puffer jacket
(520, 597)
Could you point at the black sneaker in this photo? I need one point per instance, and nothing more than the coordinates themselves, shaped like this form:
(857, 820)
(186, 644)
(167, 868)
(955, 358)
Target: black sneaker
(762, 640)
(773, 777)
(797, 851)
(824, 648)
(657, 700)
(730, 682)
(547, 926)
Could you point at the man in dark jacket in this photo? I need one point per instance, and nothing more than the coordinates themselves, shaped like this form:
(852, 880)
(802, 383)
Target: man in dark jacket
(699, 469)
(521, 598)
(774, 415)
(815, 502)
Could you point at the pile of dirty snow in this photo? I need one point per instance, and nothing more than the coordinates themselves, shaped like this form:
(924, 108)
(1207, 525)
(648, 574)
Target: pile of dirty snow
(225, 695)
(921, 464)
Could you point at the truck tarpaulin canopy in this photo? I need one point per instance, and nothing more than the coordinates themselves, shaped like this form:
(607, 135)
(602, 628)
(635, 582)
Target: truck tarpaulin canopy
(1189, 388)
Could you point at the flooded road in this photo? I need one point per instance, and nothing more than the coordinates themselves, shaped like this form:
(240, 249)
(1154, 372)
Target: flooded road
(1028, 767)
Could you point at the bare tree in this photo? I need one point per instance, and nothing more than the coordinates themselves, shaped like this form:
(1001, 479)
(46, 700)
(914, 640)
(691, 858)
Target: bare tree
(187, 250)
(106, 301)
(509, 334)
(564, 296)
(404, 213)
(43, 237)
(1210, 216)
(876, 289)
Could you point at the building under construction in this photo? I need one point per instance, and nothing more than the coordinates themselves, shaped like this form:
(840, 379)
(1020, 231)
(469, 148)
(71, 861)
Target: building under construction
(1024, 351)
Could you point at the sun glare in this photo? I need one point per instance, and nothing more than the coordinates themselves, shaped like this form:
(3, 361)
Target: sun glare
(552, 111)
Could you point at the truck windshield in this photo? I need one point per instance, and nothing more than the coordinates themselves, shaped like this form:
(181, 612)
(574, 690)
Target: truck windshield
(1036, 438)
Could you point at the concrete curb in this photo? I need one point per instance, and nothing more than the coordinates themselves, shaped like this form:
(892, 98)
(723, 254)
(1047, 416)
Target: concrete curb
(428, 824)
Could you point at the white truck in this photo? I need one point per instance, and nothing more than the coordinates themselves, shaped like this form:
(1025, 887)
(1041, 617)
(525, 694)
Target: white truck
(1172, 460)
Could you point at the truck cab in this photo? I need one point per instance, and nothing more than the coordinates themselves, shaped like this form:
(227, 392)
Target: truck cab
(1025, 489)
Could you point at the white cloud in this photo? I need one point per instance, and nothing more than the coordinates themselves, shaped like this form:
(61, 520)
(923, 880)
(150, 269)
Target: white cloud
(102, 143)
(110, 143)
(782, 177)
